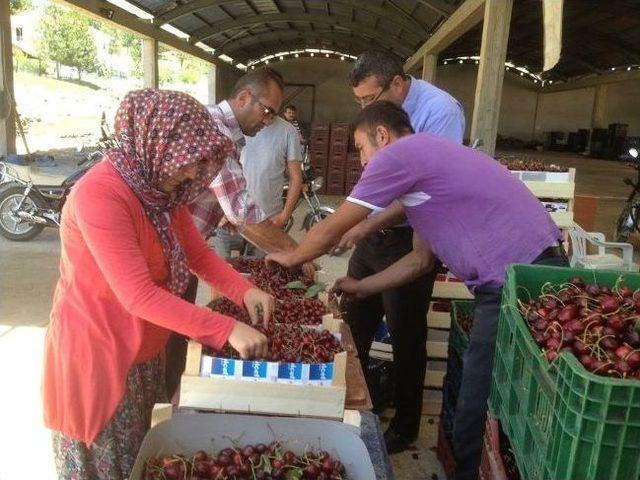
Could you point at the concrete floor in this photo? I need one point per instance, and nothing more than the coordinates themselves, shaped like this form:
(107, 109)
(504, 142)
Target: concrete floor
(29, 271)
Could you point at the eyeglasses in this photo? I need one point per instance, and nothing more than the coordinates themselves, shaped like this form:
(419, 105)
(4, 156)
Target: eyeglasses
(368, 99)
(267, 112)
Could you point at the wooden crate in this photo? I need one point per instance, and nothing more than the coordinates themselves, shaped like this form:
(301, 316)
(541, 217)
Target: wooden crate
(234, 395)
(448, 287)
(434, 376)
(438, 319)
(437, 346)
(554, 185)
(431, 401)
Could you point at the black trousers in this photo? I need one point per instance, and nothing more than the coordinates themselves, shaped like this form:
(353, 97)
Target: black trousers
(176, 348)
(471, 409)
(405, 309)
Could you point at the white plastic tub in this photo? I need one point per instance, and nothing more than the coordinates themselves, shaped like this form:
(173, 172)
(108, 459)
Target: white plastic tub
(188, 433)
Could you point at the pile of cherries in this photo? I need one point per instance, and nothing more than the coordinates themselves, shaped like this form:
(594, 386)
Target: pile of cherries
(252, 462)
(508, 458)
(292, 344)
(598, 324)
(465, 320)
(532, 166)
(289, 341)
(291, 305)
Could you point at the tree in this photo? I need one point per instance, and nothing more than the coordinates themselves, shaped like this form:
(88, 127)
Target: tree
(192, 69)
(124, 40)
(65, 38)
(18, 6)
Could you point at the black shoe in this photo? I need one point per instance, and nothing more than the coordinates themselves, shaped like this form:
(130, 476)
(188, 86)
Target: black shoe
(395, 442)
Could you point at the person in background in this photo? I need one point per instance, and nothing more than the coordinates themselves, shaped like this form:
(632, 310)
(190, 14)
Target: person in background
(380, 76)
(266, 158)
(467, 210)
(128, 245)
(291, 116)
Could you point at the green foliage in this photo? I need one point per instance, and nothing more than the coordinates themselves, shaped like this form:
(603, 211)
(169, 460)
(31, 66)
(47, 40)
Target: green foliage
(65, 38)
(18, 6)
(24, 63)
(127, 42)
(192, 69)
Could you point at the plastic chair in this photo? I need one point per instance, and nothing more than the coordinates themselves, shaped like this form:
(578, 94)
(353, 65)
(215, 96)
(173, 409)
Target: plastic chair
(603, 260)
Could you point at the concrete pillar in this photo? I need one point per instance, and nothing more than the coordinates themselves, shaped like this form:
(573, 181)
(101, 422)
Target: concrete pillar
(429, 66)
(493, 51)
(211, 85)
(150, 75)
(7, 98)
(599, 107)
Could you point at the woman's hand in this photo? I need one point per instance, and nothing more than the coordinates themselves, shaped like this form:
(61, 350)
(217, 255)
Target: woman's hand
(248, 342)
(260, 305)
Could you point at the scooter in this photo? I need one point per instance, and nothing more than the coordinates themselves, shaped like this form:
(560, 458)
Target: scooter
(310, 186)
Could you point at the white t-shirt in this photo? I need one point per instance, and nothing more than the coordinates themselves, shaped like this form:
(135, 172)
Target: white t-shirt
(264, 161)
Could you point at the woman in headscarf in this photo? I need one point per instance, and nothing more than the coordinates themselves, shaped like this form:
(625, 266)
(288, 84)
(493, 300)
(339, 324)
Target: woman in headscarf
(128, 244)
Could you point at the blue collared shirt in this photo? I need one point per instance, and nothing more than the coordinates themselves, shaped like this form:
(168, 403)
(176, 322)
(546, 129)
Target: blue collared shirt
(434, 111)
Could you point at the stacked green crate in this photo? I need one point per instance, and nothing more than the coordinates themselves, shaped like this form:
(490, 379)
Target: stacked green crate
(458, 343)
(563, 421)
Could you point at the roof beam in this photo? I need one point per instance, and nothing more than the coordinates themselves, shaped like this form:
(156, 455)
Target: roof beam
(403, 21)
(221, 27)
(461, 21)
(110, 13)
(297, 46)
(272, 40)
(439, 6)
(593, 81)
(294, 35)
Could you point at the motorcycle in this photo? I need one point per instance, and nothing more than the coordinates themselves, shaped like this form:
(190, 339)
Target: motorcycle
(310, 186)
(26, 207)
(628, 220)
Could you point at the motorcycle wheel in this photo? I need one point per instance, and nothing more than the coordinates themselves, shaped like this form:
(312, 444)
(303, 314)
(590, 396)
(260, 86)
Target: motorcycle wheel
(626, 223)
(311, 219)
(13, 228)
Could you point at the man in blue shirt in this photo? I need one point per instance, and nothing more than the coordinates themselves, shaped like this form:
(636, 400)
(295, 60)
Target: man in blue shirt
(380, 76)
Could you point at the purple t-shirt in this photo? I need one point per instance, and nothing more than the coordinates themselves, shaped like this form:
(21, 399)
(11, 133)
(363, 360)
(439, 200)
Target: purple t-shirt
(476, 217)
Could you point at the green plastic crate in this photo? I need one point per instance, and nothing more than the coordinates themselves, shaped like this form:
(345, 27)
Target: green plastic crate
(458, 343)
(563, 421)
(458, 338)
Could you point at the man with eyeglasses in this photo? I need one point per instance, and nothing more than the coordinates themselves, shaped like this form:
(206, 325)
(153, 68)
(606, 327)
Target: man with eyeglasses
(265, 158)
(380, 76)
(255, 100)
(229, 206)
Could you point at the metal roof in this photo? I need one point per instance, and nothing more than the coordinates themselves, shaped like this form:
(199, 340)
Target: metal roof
(598, 35)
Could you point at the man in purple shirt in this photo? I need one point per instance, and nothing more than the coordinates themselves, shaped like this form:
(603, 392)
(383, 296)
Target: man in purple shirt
(466, 209)
(375, 76)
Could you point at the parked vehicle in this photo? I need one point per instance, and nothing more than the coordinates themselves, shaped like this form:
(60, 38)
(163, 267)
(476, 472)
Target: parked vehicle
(310, 186)
(27, 207)
(628, 220)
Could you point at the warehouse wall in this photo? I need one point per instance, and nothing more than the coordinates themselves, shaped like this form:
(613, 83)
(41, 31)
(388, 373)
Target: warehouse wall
(564, 111)
(334, 100)
(226, 77)
(518, 104)
(623, 105)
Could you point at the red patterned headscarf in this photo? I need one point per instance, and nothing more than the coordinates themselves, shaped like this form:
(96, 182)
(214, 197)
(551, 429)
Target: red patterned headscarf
(158, 132)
